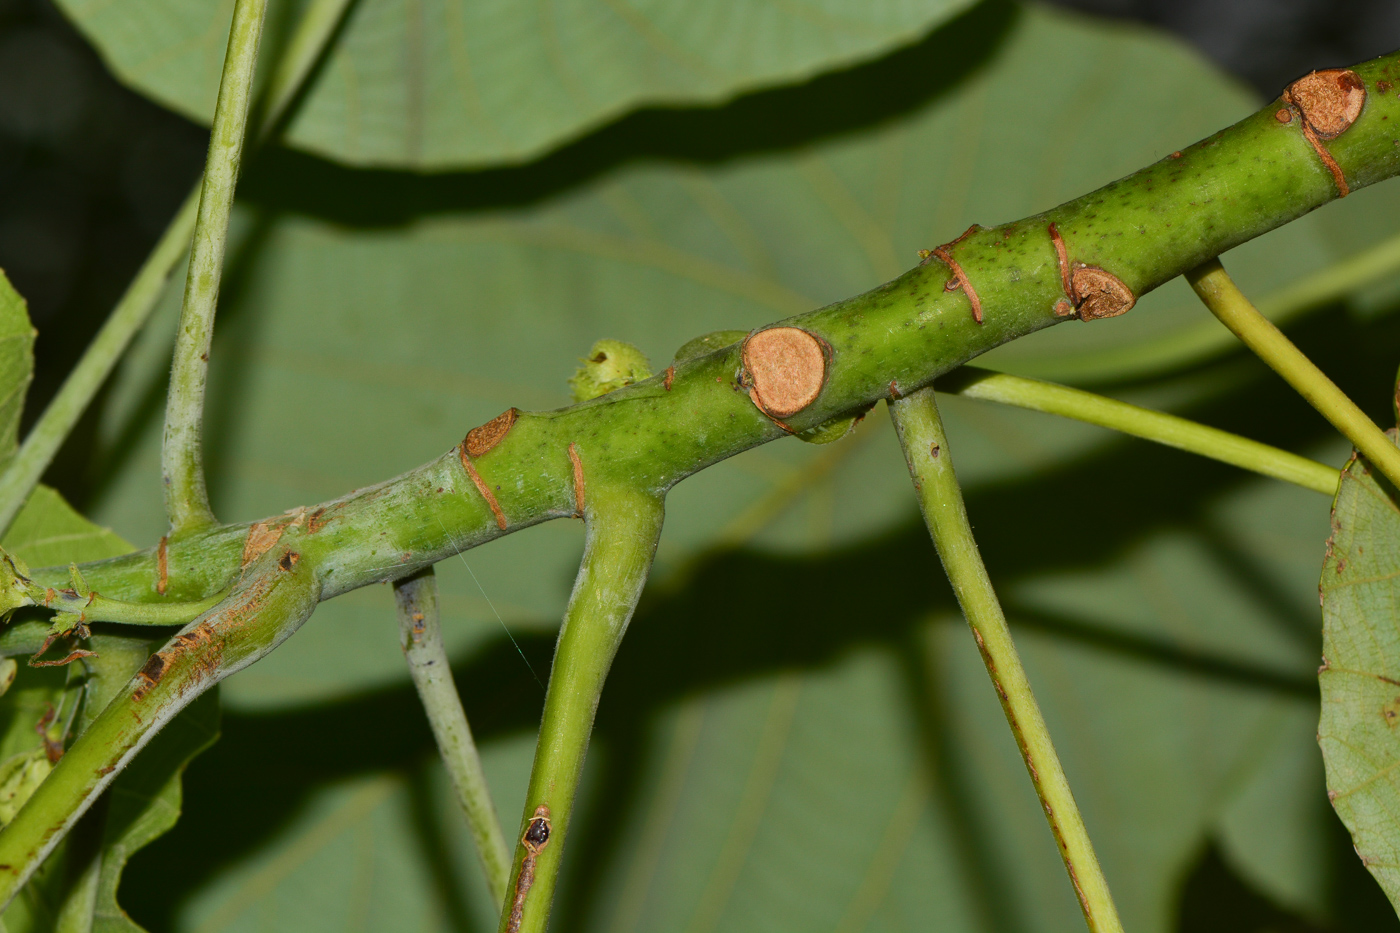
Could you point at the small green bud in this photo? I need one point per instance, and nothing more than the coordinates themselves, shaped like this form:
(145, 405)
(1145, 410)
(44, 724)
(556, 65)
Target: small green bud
(14, 584)
(611, 364)
(709, 343)
(76, 579)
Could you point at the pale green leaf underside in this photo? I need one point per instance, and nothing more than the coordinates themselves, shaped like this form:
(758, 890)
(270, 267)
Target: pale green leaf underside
(1360, 678)
(818, 798)
(452, 83)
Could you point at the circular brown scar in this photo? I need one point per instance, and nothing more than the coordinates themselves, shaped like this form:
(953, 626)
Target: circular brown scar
(786, 368)
(482, 439)
(1101, 293)
(1330, 101)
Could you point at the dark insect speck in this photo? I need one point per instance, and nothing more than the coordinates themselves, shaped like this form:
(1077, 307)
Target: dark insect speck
(538, 833)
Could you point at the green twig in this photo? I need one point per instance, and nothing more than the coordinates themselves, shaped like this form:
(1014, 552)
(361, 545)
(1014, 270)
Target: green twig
(273, 599)
(420, 636)
(47, 435)
(623, 526)
(926, 451)
(1156, 426)
(1204, 341)
(182, 449)
(1257, 332)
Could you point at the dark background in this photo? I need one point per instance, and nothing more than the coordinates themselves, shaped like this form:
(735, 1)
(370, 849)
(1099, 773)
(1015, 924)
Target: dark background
(90, 174)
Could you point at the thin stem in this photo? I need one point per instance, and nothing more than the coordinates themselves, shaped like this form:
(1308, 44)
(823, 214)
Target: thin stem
(926, 451)
(182, 454)
(314, 31)
(1228, 303)
(420, 636)
(1145, 423)
(98, 360)
(623, 526)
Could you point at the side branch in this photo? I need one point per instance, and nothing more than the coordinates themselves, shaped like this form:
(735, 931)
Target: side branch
(136, 303)
(182, 455)
(920, 431)
(420, 636)
(270, 603)
(1224, 299)
(1160, 427)
(623, 527)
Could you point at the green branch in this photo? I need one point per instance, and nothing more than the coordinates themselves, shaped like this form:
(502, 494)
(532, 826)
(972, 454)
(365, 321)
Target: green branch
(931, 465)
(182, 448)
(1140, 231)
(134, 308)
(271, 602)
(971, 382)
(623, 527)
(1204, 341)
(420, 636)
(1258, 333)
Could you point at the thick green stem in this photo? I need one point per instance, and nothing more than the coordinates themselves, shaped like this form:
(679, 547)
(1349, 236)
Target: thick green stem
(1156, 426)
(420, 637)
(182, 452)
(273, 599)
(1257, 332)
(1204, 341)
(1143, 230)
(623, 527)
(930, 463)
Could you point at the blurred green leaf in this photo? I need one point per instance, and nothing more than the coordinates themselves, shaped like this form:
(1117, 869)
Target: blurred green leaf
(16, 364)
(144, 802)
(798, 735)
(452, 83)
(1360, 695)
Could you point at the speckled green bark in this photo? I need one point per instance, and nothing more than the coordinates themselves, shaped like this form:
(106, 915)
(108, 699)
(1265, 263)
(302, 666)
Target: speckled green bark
(623, 528)
(1145, 229)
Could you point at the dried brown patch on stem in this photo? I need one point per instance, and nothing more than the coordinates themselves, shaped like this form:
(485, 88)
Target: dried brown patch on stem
(482, 488)
(534, 840)
(1062, 257)
(894, 390)
(1100, 294)
(960, 279)
(261, 538)
(578, 480)
(785, 369)
(162, 566)
(480, 440)
(1329, 103)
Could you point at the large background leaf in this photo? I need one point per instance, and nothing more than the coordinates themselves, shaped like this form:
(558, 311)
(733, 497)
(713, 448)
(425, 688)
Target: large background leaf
(458, 82)
(1360, 699)
(821, 754)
